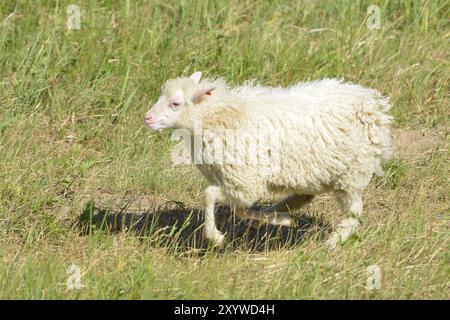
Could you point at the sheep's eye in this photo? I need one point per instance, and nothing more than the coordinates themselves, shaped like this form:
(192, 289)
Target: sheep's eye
(176, 104)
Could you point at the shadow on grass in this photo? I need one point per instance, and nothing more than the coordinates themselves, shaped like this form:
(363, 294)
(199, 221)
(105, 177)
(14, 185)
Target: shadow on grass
(179, 227)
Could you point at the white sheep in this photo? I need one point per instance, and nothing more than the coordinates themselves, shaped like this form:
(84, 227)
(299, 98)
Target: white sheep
(331, 136)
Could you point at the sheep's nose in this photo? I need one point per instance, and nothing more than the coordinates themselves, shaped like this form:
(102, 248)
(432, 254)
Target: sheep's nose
(148, 119)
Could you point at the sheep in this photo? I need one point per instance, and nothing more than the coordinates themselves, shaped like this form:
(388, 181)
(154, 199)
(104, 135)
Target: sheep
(331, 136)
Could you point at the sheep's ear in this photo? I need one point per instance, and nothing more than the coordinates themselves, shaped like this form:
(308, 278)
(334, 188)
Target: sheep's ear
(199, 94)
(196, 76)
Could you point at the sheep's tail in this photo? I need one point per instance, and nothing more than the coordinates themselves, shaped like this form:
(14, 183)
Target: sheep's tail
(376, 121)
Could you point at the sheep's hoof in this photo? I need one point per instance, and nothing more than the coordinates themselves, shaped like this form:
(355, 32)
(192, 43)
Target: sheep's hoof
(285, 222)
(332, 241)
(216, 237)
(344, 230)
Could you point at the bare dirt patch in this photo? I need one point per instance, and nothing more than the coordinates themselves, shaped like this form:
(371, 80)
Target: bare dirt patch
(410, 144)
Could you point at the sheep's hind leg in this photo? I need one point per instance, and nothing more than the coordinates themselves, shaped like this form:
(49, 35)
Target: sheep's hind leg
(352, 204)
(212, 195)
(277, 214)
(258, 217)
(291, 203)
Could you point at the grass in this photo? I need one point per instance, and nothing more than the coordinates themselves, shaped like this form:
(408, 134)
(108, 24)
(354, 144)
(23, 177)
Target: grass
(71, 131)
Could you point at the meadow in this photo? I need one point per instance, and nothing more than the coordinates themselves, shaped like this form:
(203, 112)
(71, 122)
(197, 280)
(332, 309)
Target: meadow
(91, 207)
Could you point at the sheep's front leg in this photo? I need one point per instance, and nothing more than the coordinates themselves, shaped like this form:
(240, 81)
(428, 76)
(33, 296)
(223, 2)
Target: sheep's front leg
(351, 204)
(212, 195)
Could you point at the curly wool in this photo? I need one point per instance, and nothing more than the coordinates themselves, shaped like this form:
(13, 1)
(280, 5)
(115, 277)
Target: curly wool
(333, 136)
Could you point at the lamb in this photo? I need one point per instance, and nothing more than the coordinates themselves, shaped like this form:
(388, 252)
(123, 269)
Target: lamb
(331, 136)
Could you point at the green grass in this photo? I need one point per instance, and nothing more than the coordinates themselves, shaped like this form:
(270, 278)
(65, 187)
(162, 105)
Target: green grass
(71, 131)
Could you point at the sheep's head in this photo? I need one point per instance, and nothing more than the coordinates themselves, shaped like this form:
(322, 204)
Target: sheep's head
(176, 95)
